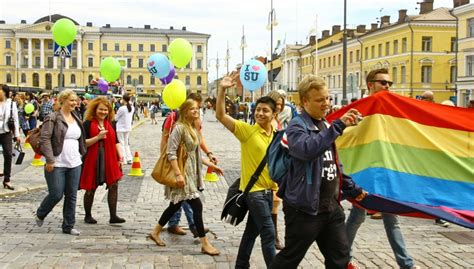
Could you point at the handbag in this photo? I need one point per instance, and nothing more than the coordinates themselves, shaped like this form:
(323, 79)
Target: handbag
(235, 209)
(18, 154)
(11, 121)
(163, 172)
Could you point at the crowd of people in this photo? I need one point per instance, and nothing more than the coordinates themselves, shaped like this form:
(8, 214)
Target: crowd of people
(86, 143)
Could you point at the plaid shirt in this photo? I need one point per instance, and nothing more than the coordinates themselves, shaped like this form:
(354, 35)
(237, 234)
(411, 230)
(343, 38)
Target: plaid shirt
(46, 108)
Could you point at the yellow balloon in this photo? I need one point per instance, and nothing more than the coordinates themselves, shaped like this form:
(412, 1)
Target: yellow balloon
(180, 52)
(174, 94)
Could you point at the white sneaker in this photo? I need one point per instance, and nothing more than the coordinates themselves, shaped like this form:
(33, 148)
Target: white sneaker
(73, 232)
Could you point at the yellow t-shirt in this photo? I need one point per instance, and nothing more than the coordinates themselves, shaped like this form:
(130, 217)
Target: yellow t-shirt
(253, 142)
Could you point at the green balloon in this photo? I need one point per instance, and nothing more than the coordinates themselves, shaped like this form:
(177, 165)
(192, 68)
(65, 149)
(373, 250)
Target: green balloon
(110, 69)
(174, 94)
(180, 52)
(64, 32)
(29, 108)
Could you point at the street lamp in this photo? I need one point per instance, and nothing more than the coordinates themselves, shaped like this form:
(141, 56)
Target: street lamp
(272, 22)
(344, 58)
(243, 44)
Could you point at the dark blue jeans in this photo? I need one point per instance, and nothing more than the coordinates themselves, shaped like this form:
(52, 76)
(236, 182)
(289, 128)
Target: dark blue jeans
(259, 222)
(62, 181)
(188, 211)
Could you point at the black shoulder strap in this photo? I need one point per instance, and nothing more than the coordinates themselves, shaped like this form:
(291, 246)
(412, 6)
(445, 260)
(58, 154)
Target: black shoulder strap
(255, 175)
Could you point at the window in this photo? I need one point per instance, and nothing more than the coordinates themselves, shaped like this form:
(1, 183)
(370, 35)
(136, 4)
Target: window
(9, 78)
(36, 80)
(394, 75)
(37, 62)
(357, 79)
(372, 52)
(426, 43)
(395, 47)
(73, 79)
(90, 78)
(140, 63)
(59, 79)
(8, 44)
(164, 48)
(74, 61)
(199, 64)
(453, 44)
(129, 63)
(104, 47)
(470, 27)
(334, 60)
(8, 60)
(380, 50)
(358, 55)
(129, 79)
(37, 44)
(339, 81)
(25, 44)
(452, 77)
(90, 46)
(426, 74)
(50, 45)
(199, 48)
(470, 66)
(90, 62)
(404, 45)
(320, 63)
(117, 47)
(152, 80)
(324, 62)
(129, 47)
(23, 78)
(50, 62)
(366, 53)
(140, 80)
(188, 80)
(351, 57)
(140, 47)
(74, 45)
(199, 80)
(339, 59)
(387, 48)
(152, 47)
(329, 61)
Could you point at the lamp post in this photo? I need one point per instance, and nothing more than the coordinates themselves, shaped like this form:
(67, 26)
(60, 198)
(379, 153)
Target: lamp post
(344, 58)
(243, 44)
(271, 23)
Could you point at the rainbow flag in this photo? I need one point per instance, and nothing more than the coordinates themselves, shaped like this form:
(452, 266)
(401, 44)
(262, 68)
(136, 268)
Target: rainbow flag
(414, 158)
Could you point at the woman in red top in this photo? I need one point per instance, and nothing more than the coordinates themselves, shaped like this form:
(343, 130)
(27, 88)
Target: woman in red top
(103, 157)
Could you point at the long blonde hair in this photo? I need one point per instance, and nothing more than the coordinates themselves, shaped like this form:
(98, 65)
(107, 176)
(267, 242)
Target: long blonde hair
(189, 124)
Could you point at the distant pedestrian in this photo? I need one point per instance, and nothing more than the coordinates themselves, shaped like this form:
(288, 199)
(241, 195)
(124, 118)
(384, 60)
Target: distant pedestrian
(124, 127)
(63, 145)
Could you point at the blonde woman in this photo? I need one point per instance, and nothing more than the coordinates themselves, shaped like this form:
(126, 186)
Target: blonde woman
(186, 132)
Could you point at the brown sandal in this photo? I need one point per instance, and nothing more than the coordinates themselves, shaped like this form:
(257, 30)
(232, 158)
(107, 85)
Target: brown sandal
(214, 253)
(158, 243)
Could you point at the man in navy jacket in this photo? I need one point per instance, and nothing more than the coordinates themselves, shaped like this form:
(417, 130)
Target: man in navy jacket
(314, 184)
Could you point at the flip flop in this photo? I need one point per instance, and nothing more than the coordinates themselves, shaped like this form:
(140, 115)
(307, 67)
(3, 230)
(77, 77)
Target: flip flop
(160, 244)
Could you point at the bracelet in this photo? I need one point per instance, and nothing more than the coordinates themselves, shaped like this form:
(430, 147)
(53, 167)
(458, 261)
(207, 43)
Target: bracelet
(210, 152)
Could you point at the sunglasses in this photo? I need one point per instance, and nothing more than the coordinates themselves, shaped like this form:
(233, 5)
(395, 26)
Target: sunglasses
(384, 82)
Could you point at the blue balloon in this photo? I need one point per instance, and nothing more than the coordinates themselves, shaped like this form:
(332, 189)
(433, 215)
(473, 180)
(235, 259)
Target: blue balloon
(253, 75)
(158, 65)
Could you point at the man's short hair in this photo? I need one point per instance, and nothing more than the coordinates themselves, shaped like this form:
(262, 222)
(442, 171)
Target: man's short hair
(6, 90)
(267, 100)
(309, 83)
(372, 74)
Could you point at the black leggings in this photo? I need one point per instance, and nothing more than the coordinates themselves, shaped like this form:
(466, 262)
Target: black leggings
(195, 204)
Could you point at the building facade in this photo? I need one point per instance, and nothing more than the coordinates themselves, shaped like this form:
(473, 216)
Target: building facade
(26, 52)
(418, 50)
(465, 63)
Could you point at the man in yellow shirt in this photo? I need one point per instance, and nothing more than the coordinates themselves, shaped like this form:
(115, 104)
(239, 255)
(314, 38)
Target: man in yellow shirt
(254, 141)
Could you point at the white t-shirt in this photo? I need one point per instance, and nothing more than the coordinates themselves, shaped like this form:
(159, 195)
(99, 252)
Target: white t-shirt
(124, 119)
(3, 120)
(70, 156)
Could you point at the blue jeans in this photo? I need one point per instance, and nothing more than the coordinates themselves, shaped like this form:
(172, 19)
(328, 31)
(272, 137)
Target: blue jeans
(259, 222)
(188, 211)
(392, 229)
(61, 181)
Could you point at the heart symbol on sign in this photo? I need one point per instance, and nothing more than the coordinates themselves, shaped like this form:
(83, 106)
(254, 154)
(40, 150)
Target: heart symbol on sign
(255, 67)
(152, 63)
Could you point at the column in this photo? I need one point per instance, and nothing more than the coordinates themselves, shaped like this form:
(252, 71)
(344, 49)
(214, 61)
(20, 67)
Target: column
(55, 62)
(30, 53)
(42, 53)
(18, 53)
(79, 54)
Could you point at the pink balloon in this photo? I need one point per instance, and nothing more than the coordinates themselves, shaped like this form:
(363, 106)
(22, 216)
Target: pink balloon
(103, 85)
(170, 76)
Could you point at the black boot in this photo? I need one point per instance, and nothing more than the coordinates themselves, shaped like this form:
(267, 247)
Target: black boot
(278, 243)
(112, 200)
(88, 201)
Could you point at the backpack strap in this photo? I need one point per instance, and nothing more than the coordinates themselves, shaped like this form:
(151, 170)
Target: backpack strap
(255, 175)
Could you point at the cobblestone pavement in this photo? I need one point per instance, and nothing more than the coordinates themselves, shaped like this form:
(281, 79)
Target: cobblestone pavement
(24, 245)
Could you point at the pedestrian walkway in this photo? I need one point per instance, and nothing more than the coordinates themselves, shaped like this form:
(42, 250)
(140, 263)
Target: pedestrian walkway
(141, 202)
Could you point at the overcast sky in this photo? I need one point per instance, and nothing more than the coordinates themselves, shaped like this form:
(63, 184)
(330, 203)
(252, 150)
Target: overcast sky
(221, 19)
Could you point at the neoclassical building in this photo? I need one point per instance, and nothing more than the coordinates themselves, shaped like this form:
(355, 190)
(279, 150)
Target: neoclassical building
(26, 55)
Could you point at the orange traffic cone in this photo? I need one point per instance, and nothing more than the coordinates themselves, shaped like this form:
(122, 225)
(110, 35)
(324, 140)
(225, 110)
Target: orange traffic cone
(211, 176)
(37, 160)
(136, 167)
(27, 143)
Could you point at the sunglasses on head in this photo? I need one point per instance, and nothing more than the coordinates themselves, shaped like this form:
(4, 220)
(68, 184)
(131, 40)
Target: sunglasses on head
(384, 82)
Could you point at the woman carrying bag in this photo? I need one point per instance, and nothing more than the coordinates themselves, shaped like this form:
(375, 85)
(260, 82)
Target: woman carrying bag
(102, 163)
(189, 181)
